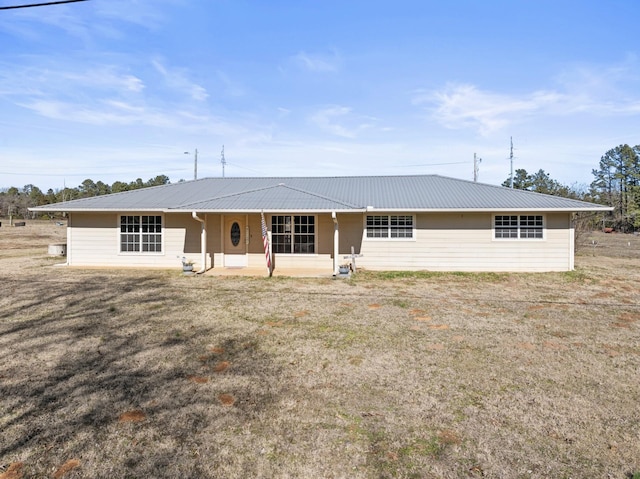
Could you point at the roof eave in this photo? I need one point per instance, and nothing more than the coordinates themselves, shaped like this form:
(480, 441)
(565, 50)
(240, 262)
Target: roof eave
(268, 210)
(487, 210)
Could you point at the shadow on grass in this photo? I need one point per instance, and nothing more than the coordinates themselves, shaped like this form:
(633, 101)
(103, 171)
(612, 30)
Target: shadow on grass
(99, 368)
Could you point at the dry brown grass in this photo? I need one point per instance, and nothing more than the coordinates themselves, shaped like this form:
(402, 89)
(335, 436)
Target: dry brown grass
(378, 376)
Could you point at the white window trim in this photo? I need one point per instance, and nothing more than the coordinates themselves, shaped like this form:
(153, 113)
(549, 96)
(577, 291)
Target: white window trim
(544, 227)
(315, 235)
(389, 238)
(140, 253)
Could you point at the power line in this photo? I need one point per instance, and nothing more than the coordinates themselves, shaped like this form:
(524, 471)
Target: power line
(44, 4)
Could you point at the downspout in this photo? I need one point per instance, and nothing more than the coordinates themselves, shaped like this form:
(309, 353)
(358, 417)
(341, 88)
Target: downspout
(203, 242)
(336, 242)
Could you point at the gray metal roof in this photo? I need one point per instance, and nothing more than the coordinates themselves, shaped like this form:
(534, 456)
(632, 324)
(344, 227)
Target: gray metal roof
(323, 194)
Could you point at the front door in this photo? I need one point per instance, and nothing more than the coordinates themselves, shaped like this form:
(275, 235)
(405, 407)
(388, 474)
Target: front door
(235, 245)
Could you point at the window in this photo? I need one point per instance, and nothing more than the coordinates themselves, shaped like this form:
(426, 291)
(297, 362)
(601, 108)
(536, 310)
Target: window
(293, 234)
(518, 226)
(389, 226)
(141, 234)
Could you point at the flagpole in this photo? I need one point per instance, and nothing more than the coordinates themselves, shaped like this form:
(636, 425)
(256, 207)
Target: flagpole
(266, 243)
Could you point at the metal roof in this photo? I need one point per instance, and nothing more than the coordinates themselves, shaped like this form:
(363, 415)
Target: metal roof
(323, 194)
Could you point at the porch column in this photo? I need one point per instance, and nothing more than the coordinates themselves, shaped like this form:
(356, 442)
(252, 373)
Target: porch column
(336, 243)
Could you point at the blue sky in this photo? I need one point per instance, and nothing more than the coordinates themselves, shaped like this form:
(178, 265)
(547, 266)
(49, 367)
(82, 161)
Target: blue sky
(118, 90)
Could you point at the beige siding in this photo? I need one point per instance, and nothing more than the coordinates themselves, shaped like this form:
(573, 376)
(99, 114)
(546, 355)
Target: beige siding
(442, 242)
(464, 242)
(94, 240)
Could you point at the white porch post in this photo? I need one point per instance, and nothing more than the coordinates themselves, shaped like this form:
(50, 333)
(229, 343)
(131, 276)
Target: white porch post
(336, 242)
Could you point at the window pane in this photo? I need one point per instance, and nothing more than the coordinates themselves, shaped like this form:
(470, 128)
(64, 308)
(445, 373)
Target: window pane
(280, 234)
(304, 240)
(377, 226)
(506, 226)
(141, 233)
(401, 226)
(531, 226)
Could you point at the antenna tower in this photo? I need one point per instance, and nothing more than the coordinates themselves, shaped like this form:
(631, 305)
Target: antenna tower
(222, 160)
(476, 167)
(511, 159)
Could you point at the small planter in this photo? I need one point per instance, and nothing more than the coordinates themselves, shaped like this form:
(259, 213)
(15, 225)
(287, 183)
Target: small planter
(187, 268)
(344, 269)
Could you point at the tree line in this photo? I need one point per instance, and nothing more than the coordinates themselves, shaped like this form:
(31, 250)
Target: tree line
(16, 201)
(616, 183)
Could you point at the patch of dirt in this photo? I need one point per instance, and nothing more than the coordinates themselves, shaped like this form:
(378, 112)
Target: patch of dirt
(221, 366)
(15, 471)
(227, 399)
(198, 379)
(555, 346)
(132, 416)
(66, 467)
(449, 437)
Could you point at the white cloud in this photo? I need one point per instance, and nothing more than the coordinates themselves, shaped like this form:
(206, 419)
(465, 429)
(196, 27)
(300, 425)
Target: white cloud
(178, 80)
(317, 62)
(340, 121)
(231, 87)
(465, 106)
(580, 91)
(331, 119)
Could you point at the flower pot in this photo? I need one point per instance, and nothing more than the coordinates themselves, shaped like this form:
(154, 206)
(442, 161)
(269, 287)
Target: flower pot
(187, 268)
(343, 269)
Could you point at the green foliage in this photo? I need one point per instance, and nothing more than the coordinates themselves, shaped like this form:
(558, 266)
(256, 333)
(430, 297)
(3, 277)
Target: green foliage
(16, 202)
(541, 182)
(617, 184)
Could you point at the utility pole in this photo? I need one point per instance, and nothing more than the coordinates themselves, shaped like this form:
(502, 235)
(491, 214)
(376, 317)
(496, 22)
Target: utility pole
(195, 163)
(222, 160)
(511, 159)
(476, 167)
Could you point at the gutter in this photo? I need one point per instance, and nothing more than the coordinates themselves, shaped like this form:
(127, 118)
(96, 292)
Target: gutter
(203, 242)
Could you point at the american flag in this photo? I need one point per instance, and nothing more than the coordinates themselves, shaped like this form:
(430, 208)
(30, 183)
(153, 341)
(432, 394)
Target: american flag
(265, 242)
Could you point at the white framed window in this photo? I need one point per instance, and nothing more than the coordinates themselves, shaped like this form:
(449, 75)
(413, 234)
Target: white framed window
(140, 234)
(390, 226)
(293, 234)
(518, 227)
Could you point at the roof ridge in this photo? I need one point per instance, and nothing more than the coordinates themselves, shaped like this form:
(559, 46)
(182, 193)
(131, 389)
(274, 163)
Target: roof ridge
(240, 193)
(229, 195)
(318, 195)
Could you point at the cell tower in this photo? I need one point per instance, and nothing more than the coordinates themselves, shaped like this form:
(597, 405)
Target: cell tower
(511, 159)
(476, 167)
(222, 160)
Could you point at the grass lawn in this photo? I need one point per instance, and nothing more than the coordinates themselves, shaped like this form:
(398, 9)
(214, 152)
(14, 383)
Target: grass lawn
(141, 374)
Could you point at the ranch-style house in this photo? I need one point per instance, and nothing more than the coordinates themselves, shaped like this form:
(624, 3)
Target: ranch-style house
(421, 222)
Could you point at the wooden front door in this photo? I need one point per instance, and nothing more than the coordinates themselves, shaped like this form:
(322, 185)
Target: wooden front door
(235, 244)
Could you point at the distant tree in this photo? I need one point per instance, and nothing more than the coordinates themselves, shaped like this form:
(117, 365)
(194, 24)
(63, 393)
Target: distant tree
(88, 189)
(521, 180)
(617, 184)
(102, 188)
(136, 185)
(158, 180)
(540, 182)
(17, 201)
(119, 186)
